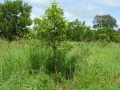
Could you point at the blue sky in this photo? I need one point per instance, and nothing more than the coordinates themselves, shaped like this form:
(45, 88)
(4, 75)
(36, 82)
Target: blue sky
(84, 10)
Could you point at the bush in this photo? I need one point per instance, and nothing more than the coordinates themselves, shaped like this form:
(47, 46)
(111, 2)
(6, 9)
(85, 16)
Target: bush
(65, 65)
(104, 37)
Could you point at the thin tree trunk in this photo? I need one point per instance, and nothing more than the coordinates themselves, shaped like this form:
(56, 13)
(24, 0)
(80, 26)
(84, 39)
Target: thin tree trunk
(55, 62)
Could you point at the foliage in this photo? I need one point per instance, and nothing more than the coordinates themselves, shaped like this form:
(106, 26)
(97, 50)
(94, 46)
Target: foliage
(73, 30)
(51, 26)
(77, 31)
(14, 18)
(104, 21)
(94, 61)
(30, 35)
(102, 36)
(105, 32)
(117, 37)
(51, 29)
(65, 63)
(118, 30)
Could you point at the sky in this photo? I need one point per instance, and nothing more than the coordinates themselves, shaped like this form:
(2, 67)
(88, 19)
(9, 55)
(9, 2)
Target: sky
(84, 10)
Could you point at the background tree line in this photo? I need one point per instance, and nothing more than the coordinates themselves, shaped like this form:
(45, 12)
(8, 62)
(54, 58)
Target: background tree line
(15, 21)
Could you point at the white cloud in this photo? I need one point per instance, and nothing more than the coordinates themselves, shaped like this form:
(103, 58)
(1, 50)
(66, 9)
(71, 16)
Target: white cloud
(39, 3)
(89, 24)
(36, 12)
(68, 15)
(108, 3)
(84, 10)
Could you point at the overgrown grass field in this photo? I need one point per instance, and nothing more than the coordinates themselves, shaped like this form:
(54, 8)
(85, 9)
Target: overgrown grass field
(26, 65)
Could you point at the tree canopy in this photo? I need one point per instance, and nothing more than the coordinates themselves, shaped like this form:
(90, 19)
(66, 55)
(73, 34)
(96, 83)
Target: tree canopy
(14, 18)
(104, 21)
(78, 31)
(51, 26)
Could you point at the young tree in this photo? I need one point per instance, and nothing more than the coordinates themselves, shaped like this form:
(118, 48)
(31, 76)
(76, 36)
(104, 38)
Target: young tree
(14, 18)
(104, 21)
(51, 28)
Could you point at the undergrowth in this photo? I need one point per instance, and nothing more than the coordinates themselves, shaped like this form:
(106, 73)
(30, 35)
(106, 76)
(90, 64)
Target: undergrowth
(28, 65)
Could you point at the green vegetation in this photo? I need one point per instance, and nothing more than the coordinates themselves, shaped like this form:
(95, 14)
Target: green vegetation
(77, 31)
(14, 19)
(51, 29)
(104, 21)
(56, 54)
(24, 65)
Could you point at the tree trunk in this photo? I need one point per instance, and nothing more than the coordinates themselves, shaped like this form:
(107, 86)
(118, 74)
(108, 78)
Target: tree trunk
(54, 47)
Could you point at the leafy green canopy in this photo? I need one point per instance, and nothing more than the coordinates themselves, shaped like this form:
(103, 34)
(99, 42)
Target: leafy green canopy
(51, 26)
(105, 32)
(78, 31)
(104, 21)
(14, 18)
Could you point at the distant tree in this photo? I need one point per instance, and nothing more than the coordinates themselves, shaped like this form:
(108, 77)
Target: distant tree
(118, 30)
(14, 18)
(73, 30)
(78, 31)
(104, 21)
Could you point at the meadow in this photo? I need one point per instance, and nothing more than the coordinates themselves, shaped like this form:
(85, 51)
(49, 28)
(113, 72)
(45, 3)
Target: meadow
(25, 65)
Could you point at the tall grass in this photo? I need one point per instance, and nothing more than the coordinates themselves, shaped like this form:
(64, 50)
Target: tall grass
(28, 65)
(100, 70)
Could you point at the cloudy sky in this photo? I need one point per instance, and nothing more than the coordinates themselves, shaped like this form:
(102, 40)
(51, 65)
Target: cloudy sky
(84, 10)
